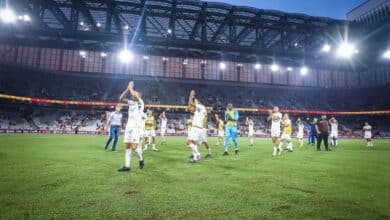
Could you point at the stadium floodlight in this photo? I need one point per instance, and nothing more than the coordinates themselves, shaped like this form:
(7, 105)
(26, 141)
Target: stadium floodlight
(81, 23)
(326, 48)
(164, 59)
(289, 69)
(126, 27)
(386, 54)
(304, 70)
(169, 31)
(103, 54)
(145, 57)
(346, 50)
(98, 24)
(203, 62)
(222, 65)
(126, 56)
(185, 61)
(239, 65)
(274, 67)
(83, 54)
(257, 66)
(7, 15)
(26, 18)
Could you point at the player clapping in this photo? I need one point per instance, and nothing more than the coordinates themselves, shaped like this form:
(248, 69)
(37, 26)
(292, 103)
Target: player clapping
(301, 127)
(275, 117)
(249, 122)
(334, 133)
(367, 129)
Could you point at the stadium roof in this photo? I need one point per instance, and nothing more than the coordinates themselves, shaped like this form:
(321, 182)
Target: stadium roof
(175, 27)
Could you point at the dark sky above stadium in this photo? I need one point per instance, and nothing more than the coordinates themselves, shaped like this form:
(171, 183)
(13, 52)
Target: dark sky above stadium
(325, 8)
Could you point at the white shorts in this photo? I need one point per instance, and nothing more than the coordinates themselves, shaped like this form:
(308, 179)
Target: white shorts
(196, 134)
(221, 133)
(250, 133)
(300, 135)
(132, 135)
(163, 131)
(367, 135)
(334, 134)
(203, 137)
(286, 137)
(275, 132)
(149, 133)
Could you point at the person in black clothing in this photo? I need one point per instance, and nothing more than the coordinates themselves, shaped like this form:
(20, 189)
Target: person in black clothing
(322, 128)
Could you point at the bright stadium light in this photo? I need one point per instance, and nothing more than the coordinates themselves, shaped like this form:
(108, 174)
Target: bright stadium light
(185, 61)
(289, 69)
(257, 66)
(346, 50)
(98, 24)
(81, 23)
(103, 54)
(83, 54)
(386, 54)
(304, 70)
(145, 57)
(222, 65)
(169, 31)
(239, 65)
(126, 56)
(274, 67)
(7, 15)
(326, 48)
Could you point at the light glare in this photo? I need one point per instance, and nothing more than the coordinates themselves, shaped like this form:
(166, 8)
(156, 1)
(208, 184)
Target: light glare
(326, 48)
(7, 15)
(386, 54)
(346, 50)
(274, 67)
(222, 65)
(304, 70)
(125, 56)
(257, 66)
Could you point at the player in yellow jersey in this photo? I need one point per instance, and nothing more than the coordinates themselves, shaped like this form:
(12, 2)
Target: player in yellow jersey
(221, 129)
(150, 132)
(286, 135)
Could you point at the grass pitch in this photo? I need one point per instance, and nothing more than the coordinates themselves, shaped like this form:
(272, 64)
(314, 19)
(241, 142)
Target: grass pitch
(71, 177)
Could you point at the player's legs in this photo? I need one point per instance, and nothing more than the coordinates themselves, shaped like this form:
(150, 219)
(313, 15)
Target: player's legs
(131, 140)
(233, 134)
(154, 141)
(146, 140)
(227, 137)
(275, 144)
(163, 130)
(319, 140)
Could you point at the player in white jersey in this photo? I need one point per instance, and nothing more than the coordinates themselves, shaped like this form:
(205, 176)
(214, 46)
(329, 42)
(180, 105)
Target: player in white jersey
(132, 131)
(276, 117)
(251, 130)
(163, 126)
(334, 131)
(301, 127)
(195, 135)
(368, 134)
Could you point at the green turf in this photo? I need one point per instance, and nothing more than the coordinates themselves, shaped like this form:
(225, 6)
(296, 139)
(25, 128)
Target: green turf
(67, 176)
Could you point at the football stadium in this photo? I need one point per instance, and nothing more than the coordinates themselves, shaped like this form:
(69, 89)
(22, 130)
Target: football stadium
(190, 109)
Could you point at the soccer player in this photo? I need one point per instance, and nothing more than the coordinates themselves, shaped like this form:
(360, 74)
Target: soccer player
(115, 122)
(231, 118)
(250, 124)
(276, 117)
(301, 127)
(163, 126)
(142, 128)
(150, 132)
(334, 133)
(132, 133)
(286, 135)
(195, 134)
(203, 138)
(221, 129)
(368, 134)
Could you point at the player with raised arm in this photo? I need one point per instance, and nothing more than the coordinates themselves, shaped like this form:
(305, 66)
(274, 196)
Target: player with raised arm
(286, 135)
(250, 123)
(221, 129)
(114, 125)
(163, 126)
(195, 134)
(367, 129)
(150, 130)
(275, 117)
(203, 139)
(334, 132)
(231, 118)
(132, 131)
(301, 127)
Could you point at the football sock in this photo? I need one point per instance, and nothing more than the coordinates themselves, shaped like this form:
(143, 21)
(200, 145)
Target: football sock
(138, 151)
(275, 150)
(128, 157)
(154, 146)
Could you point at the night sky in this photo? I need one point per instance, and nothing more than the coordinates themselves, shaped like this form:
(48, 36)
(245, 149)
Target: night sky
(325, 8)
